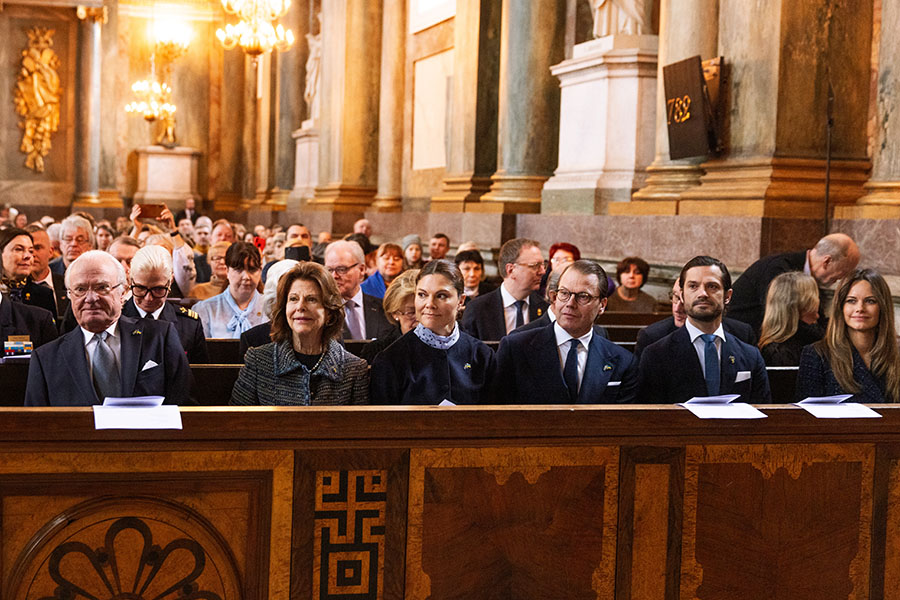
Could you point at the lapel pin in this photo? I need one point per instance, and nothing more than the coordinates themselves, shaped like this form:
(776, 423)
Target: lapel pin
(607, 367)
(467, 366)
(731, 358)
(540, 312)
(136, 332)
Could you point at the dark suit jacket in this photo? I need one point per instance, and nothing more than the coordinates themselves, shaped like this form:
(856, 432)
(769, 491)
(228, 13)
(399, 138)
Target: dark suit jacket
(670, 371)
(58, 373)
(483, 318)
(545, 320)
(34, 294)
(748, 298)
(181, 214)
(20, 319)
(187, 324)
(529, 371)
(816, 378)
(204, 271)
(62, 296)
(255, 337)
(660, 329)
(377, 324)
(57, 266)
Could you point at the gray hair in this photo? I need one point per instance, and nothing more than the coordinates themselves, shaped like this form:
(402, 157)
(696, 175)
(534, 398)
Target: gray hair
(354, 248)
(273, 276)
(97, 256)
(152, 259)
(75, 222)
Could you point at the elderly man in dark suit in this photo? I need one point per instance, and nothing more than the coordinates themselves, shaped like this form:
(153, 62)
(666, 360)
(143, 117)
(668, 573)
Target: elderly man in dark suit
(516, 302)
(701, 358)
(363, 314)
(107, 354)
(151, 278)
(660, 329)
(567, 362)
(831, 259)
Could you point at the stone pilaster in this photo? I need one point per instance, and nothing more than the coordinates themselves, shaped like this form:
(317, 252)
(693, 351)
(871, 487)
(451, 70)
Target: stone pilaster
(290, 107)
(687, 28)
(531, 41)
(472, 148)
(89, 82)
(782, 54)
(390, 110)
(351, 65)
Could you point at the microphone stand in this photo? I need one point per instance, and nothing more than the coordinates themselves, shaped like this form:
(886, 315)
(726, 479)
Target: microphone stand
(829, 127)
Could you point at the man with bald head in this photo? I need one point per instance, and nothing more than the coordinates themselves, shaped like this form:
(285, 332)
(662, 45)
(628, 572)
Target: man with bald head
(831, 259)
(107, 355)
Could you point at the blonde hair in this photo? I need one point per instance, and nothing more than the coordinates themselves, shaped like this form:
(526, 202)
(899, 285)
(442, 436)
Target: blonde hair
(790, 295)
(403, 286)
(837, 349)
(163, 240)
(152, 259)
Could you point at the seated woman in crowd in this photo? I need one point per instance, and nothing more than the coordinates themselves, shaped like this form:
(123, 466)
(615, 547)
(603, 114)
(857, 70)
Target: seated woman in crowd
(389, 264)
(412, 251)
(561, 254)
(471, 265)
(219, 280)
(400, 309)
(304, 364)
(17, 251)
(631, 275)
(790, 322)
(436, 361)
(104, 235)
(239, 307)
(858, 354)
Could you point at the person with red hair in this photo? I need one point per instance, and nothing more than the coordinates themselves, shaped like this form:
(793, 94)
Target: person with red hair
(562, 254)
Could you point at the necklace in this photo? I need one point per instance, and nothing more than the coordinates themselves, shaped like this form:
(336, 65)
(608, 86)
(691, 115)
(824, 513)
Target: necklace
(318, 362)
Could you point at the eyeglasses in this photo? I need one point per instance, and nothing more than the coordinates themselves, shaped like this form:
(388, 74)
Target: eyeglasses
(158, 291)
(581, 297)
(409, 314)
(75, 240)
(673, 297)
(101, 289)
(535, 266)
(216, 259)
(340, 270)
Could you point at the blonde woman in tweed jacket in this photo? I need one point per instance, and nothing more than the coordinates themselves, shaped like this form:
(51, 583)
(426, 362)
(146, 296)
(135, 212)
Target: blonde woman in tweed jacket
(304, 365)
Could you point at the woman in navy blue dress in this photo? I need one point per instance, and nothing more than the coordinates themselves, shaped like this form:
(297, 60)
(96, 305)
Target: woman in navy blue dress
(859, 353)
(436, 361)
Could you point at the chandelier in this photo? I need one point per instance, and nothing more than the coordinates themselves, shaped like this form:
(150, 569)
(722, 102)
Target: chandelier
(256, 32)
(153, 100)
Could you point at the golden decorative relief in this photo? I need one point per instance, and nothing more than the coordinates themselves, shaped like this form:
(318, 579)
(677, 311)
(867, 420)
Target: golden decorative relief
(98, 14)
(37, 97)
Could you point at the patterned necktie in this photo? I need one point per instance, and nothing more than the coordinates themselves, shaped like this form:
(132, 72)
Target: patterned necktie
(520, 316)
(711, 360)
(353, 323)
(106, 374)
(570, 372)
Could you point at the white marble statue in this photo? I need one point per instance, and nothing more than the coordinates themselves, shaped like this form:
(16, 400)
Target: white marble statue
(313, 77)
(630, 17)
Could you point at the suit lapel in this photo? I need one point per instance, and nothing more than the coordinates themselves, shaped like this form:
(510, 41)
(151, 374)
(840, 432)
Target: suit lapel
(535, 307)
(130, 310)
(684, 356)
(729, 367)
(543, 358)
(596, 374)
(72, 347)
(130, 346)
(495, 325)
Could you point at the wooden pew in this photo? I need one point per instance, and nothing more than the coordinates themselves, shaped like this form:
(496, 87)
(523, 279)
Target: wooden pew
(224, 351)
(213, 383)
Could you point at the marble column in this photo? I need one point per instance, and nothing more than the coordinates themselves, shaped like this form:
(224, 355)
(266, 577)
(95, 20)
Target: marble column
(782, 54)
(348, 148)
(250, 150)
(87, 130)
(290, 106)
(882, 198)
(472, 146)
(390, 109)
(532, 39)
(686, 28)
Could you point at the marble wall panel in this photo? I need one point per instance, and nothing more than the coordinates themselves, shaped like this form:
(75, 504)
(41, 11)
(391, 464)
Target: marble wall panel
(432, 76)
(878, 240)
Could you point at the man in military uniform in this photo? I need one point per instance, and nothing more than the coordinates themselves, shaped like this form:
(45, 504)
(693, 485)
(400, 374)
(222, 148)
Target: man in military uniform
(151, 278)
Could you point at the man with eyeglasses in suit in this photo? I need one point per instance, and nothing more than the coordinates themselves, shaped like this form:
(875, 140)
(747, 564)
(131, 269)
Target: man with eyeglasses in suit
(108, 354)
(567, 362)
(363, 314)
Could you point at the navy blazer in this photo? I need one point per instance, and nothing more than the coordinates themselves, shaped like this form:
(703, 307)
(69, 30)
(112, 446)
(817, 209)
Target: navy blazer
(529, 371)
(20, 319)
(412, 372)
(59, 288)
(377, 324)
(748, 297)
(816, 379)
(187, 324)
(484, 319)
(657, 331)
(58, 373)
(670, 371)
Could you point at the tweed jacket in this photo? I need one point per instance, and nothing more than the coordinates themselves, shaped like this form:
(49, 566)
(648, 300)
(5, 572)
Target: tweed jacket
(272, 376)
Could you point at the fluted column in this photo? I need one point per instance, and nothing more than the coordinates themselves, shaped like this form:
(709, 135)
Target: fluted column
(686, 28)
(390, 110)
(531, 40)
(882, 198)
(87, 130)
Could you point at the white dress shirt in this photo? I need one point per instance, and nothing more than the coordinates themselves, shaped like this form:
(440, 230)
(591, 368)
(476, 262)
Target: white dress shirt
(563, 343)
(112, 340)
(155, 314)
(700, 345)
(509, 308)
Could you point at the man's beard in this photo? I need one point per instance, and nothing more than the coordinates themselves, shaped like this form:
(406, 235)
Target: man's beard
(714, 313)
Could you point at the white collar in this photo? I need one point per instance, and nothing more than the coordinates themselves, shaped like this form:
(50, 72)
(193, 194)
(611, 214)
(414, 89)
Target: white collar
(89, 335)
(155, 313)
(509, 299)
(694, 333)
(552, 314)
(358, 297)
(562, 336)
(48, 278)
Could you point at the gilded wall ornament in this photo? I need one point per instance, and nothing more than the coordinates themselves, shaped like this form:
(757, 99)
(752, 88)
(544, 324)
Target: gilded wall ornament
(37, 97)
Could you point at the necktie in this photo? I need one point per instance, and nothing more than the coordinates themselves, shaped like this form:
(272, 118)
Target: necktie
(520, 316)
(711, 360)
(106, 374)
(45, 284)
(353, 323)
(570, 372)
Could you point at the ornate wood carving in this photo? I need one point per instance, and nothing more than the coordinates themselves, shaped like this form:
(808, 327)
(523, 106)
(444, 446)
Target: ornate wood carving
(37, 96)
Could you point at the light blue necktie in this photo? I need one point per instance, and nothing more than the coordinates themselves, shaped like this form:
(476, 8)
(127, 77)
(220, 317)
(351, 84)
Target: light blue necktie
(711, 360)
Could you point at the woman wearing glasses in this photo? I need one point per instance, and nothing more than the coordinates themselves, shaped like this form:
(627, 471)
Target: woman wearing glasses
(436, 361)
(400, 309)
(151, 281)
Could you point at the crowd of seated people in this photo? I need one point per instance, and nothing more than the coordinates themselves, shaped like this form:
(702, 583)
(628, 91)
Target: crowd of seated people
(124, 308)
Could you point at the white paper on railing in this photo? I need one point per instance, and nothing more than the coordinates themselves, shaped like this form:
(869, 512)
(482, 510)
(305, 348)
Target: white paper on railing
(145, 401)
(835, 407)
(721, 407)
(137, 417)
(446, 402)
